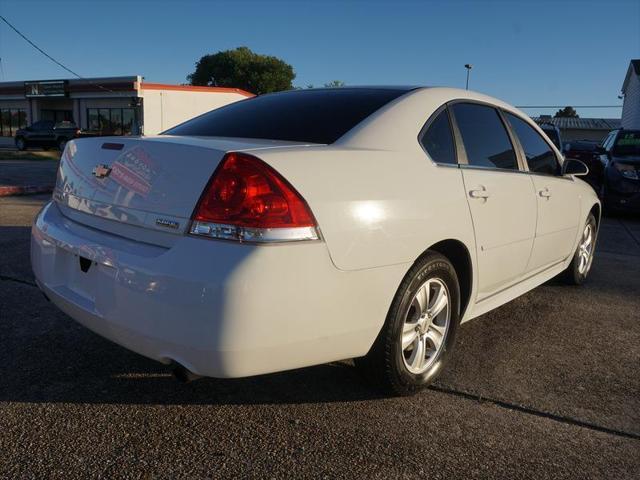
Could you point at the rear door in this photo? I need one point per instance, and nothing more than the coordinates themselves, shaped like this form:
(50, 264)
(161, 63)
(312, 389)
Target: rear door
(500, 197)
(557, 198)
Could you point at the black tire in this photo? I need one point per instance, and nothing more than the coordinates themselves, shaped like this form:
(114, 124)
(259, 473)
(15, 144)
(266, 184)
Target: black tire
(384, 365)
(602, 195)
(21, 143)
(572, 275)
(62, 142)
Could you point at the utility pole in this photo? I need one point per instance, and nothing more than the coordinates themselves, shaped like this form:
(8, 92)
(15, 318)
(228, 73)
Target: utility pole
(468, 66)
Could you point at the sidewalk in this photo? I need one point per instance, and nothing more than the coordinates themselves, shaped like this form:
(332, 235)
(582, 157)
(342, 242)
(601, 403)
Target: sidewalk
(24, 177)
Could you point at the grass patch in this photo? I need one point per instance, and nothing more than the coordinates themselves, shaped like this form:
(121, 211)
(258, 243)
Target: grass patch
(29, 155)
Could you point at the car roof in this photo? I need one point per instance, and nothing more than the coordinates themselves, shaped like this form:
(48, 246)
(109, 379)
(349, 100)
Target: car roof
(397, 125)
(359, 88)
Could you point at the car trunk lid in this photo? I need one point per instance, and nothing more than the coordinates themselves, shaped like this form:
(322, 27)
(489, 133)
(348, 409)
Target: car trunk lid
(126, 185)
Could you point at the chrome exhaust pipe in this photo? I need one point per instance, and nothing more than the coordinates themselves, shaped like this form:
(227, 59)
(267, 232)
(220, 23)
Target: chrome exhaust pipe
(184, 375)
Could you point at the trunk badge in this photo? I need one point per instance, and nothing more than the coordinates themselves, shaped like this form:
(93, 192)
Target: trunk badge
(101, 171)
(163, 222)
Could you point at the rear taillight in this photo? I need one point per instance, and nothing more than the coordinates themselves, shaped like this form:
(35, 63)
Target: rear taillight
(247, 200)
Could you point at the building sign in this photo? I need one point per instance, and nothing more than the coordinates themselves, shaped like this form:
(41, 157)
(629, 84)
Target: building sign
(45, 89)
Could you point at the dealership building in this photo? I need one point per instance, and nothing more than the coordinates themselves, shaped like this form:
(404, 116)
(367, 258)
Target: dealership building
(108, 106)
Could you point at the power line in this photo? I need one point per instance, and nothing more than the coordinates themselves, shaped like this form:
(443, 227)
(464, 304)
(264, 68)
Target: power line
(49, 56)
(38, 48)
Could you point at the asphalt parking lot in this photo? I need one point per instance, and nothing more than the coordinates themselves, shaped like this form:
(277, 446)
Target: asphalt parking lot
(547, 386)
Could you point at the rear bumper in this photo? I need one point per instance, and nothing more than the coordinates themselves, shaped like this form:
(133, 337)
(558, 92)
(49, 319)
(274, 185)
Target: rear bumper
(221, 309)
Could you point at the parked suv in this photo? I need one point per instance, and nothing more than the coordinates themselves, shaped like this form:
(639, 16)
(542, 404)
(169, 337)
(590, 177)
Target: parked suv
(587, 152)
(45, 134)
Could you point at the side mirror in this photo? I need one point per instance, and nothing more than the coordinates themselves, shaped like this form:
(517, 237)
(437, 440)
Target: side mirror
(571, 166)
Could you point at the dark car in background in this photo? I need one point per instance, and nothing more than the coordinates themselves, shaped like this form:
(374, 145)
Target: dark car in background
(588, 153)
(553, 132)
(619, 183)
(46, 134)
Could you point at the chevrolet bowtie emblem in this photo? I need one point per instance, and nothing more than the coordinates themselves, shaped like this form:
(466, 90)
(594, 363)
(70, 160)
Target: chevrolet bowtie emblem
(101, 171)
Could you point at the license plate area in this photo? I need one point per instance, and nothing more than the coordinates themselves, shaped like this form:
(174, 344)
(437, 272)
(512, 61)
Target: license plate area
(81, 274)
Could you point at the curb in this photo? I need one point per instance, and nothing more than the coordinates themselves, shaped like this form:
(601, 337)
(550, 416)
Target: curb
(10, 190)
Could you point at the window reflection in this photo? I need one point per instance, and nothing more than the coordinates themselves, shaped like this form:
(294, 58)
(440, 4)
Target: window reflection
(110, 121)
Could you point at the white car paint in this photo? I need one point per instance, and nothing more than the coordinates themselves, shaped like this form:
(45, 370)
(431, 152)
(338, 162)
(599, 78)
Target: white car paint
(226, 309)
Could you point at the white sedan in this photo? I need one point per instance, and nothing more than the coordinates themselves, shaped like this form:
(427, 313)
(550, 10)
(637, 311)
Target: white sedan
(304, 227)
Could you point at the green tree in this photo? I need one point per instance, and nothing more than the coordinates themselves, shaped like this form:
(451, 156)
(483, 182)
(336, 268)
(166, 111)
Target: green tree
(242, 68)
(566, 112)
(335, 83)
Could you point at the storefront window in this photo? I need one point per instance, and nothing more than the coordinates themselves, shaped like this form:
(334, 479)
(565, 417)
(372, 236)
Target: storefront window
(111, 121)
(11, 120)
(127, 121)
(93, 122)
(57, 115)
(116, 121)
(105, 124)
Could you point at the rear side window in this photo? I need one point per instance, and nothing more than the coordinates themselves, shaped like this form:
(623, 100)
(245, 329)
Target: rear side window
(485, 139)
(438, 140)
(310, 116)
(540, 157)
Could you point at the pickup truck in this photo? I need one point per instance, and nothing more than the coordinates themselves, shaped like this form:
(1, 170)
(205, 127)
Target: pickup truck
(46, 134)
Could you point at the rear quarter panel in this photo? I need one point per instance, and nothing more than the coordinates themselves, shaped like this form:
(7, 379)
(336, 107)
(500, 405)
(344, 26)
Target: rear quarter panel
(377, 207)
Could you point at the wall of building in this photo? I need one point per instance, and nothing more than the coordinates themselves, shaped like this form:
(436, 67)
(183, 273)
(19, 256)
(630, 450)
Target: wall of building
(631, 104)
(164, 109)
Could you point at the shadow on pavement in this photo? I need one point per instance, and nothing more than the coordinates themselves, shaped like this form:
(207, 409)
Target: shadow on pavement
(47, 357)
(567, 350)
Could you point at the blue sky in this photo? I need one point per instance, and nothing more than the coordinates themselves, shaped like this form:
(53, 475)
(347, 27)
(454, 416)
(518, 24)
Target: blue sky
(525, 52)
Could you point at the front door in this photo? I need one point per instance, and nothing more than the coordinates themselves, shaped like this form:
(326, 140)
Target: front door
(501, 198)
(557, 199)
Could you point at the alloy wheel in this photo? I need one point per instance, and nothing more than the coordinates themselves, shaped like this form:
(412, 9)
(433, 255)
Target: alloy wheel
(425, 327)
(585, 249)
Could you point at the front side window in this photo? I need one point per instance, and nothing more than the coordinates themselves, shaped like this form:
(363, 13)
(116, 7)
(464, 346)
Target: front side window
(485, 139)
(438, 140)
(539, 155)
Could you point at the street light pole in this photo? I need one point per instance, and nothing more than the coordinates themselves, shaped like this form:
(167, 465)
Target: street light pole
(468, 66)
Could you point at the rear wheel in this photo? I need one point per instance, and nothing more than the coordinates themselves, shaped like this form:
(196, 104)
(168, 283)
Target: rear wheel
(419, 331)
(21, 144)
(62, 143)
(578, 270)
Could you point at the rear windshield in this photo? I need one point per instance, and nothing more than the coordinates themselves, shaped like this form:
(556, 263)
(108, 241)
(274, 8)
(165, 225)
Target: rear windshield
(627, 143)
(311, 116)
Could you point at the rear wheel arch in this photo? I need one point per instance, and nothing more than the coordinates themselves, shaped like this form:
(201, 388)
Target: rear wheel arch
(458, 254)
(597, 211)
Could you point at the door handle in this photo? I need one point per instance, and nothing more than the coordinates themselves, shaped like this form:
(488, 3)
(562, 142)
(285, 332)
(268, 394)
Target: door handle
(479, 192)
(545, 192)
